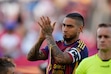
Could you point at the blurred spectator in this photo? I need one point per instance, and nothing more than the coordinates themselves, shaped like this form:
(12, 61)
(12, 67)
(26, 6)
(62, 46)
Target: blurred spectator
(10, 41)
(100, 14)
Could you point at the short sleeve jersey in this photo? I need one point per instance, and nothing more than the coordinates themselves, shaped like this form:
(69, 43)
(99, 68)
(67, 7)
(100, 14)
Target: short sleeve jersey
(94, 65)
(77, 52)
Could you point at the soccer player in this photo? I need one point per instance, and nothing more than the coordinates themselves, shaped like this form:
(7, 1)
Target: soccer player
(99, 63)
(64, 55)
(6, 66)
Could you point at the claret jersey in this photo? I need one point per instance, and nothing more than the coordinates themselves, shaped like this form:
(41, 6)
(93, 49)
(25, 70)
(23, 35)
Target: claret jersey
(77, 52)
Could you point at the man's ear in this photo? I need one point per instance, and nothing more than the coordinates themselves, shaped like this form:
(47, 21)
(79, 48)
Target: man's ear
(81, 28)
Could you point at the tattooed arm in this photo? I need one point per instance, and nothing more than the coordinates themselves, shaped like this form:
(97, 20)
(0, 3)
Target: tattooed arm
(59, 56)
(36, 54)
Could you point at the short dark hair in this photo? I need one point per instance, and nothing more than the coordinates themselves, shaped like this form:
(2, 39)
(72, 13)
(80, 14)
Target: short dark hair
(6, 63)
(104, 25)
(76, 16)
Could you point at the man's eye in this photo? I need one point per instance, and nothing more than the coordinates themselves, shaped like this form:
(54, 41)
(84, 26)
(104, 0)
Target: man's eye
(69, 25)
(106, 36)
(99, 36)
(63, 24)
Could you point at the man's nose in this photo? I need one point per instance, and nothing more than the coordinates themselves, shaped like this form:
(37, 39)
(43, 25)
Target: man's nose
(102, 39)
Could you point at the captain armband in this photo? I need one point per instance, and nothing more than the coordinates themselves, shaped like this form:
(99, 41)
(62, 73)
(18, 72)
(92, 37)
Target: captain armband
(75, 54)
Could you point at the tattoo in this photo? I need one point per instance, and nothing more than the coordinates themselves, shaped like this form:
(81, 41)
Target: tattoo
(59, 56)
(35, 53)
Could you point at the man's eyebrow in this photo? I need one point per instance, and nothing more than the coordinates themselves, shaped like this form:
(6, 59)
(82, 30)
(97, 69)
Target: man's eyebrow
(66, 24)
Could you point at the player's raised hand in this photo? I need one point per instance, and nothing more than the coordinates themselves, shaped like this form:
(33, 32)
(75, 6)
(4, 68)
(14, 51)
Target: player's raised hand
(46, 27)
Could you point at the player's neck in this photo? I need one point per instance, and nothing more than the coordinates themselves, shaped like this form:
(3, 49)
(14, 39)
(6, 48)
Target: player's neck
(104, 55)
(70, 42)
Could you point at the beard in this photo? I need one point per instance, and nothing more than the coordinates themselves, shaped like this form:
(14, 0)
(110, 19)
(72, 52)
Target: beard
(69, 39)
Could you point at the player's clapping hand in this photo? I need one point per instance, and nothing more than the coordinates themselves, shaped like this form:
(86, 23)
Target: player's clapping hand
(46, 27)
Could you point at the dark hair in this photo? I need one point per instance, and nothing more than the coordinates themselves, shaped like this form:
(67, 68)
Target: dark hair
(6, 63)
(108, 2)
(76, 16)
(104, 25)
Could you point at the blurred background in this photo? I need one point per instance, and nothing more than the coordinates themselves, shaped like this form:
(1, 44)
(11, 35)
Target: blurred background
(19, 29)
